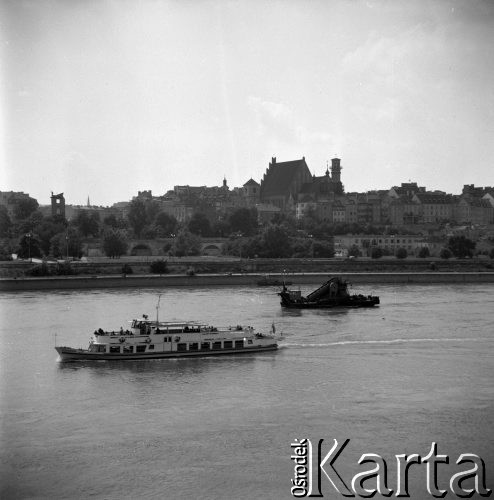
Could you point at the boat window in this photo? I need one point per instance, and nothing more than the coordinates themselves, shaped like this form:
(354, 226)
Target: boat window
(239, 344)
(249, 341)
(227, 344)
(114, 348)
(194, 346)
(140, 348)
(101, 348)
(216, 345)
(128, 348)
(205, 346)
(151, 347)
(182, 347)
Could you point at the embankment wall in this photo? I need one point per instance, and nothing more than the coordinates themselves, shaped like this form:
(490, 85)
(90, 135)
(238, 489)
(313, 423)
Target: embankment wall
(246, 279)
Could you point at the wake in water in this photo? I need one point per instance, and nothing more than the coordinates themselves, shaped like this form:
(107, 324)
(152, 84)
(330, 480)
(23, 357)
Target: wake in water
(391, 341)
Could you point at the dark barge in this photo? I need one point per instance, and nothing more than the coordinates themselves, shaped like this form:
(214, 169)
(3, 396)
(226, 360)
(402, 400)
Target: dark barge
(333, 293)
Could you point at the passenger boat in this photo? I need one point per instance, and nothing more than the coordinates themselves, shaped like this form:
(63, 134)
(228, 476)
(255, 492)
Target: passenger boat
(332, 293)
(147, 339)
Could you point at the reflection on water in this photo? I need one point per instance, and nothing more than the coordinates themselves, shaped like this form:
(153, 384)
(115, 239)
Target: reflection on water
(159, 368)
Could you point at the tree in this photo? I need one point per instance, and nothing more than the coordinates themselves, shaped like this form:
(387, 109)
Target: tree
(221, 228)
(376, 253)
(250, 247)
(322, 249)
(354, 251)
(186, 243)
(150, 232)
(244, 220)
(137, 216)
(424, 252)
(152, 210)
(114, 243)
(5, 222)
(24, 208)
(461, 246)
(87, 223)
(29, 246)
(159, 266)
(309, 220)
(111, 221)
(322, 231)
(445, 253)
(47, 229)
(275, 242)
(199, 224)
(302, 247)
(401, 253)
(166, 223)
(66, 244)
(5, 250)
(286, 220)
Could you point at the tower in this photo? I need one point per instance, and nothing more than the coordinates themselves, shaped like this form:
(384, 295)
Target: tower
(336, 170)
(57, 204)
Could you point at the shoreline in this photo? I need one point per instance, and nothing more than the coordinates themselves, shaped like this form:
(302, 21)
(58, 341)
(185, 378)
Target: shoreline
(234, 279)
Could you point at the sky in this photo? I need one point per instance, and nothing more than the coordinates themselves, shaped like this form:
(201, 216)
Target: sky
(105, 98)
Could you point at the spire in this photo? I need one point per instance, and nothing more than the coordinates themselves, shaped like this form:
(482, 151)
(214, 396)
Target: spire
(327, 168)
(88, 203)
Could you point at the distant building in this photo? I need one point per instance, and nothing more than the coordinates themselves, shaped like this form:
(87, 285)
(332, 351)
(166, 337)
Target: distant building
(252, 193)
(339, 212)
(475, 211)
(476, 191)
(291, 187)
(407, 189)
(434, 207)
(390, 243)
(266, 212)
(9, 200)
(57, 205)
(283, 181)
(404, 211)
(489, 197)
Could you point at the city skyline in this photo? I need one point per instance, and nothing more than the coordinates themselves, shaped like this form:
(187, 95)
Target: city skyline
(110, 98)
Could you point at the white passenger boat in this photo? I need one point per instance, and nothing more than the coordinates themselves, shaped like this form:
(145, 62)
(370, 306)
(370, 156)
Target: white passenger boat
(147, 339)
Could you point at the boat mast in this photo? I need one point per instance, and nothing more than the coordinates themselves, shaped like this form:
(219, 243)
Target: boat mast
(157, 309)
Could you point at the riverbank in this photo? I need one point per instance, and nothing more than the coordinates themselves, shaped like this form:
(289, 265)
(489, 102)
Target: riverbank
(246, 279)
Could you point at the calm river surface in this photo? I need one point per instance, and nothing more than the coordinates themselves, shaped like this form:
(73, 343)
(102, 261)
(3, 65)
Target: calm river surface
(418, 369)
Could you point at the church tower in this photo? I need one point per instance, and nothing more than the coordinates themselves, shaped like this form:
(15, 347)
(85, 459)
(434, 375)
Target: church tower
(336, 170)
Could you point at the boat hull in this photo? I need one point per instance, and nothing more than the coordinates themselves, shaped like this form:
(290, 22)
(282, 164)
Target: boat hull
(71, 354)
(330, 304)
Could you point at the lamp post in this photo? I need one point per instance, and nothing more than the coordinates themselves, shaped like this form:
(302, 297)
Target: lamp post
(67, 246)
(29, 236)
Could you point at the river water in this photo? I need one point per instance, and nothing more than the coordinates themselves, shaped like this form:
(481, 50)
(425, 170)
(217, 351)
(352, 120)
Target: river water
(394, 379)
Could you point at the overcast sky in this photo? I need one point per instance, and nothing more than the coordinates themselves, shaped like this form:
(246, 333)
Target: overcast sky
(103, 98)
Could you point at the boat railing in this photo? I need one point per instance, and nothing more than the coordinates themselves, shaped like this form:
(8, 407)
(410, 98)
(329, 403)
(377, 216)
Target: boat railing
(171, 329)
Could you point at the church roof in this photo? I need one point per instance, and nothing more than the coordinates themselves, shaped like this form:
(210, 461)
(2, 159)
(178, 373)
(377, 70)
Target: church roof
(251, 182)
(433, 198)
(280, 176)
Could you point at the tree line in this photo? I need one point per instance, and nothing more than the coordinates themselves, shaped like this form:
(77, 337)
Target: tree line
(30, 234)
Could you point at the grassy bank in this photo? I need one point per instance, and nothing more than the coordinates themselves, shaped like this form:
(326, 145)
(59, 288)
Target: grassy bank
(218, 265)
